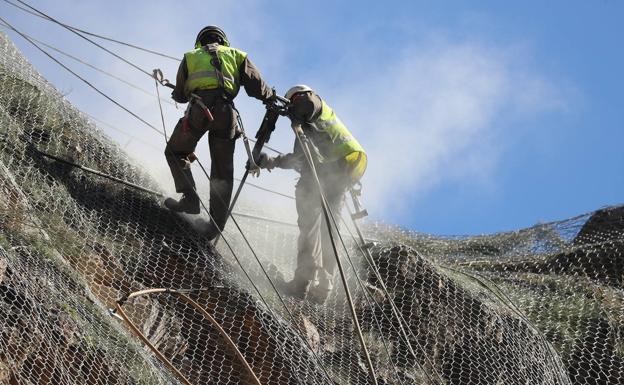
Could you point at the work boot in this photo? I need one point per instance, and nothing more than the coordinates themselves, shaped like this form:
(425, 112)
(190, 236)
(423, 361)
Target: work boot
(189, 203)
(296, 289)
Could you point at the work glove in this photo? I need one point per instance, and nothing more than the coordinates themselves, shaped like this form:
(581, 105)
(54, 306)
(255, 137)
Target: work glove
(263, 161)
(271, 101)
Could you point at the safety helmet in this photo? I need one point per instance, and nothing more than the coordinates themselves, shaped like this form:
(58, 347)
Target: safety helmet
(211, 30)
(296, 90)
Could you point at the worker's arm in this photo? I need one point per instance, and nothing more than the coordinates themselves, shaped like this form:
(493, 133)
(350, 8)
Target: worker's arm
(251, 79)
(178, 92)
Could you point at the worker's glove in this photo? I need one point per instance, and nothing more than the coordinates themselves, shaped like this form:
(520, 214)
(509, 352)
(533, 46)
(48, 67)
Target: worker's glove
(263, 161)
(267, 162)
(271, 101)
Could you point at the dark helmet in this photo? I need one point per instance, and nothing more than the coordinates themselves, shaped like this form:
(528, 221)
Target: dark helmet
(211, 30)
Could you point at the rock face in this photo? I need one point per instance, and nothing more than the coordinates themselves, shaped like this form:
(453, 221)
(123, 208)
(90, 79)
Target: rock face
(460, 337)
(42, 343)
(604, 225)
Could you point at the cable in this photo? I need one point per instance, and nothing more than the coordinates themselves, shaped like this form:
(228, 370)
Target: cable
(302, 140)
(138, 88)
(505, 300)
(80, 77)
(132, 137)
(96, 35)
(85, 38)
(181, 294)
(404, 334)
(265, 146)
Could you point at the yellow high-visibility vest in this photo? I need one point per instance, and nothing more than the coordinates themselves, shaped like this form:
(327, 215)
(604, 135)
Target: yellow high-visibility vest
(344, 144)
(202, 74)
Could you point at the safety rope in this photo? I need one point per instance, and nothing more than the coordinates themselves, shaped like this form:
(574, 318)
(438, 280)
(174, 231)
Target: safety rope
(181, 294)
(96, 35)
(84, 62)
(145, 189)
(85, 38)
(367, 294)
(302, 141)
(80, 77)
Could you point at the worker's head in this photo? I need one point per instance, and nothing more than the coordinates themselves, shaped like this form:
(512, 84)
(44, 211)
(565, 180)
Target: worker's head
(211, 34)
(296, 91)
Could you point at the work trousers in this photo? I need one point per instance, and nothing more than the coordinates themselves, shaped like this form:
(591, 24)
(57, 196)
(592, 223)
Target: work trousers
(316, 259)
(221, 141)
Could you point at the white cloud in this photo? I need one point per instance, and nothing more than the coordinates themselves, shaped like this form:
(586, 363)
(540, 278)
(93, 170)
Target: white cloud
(431, 114)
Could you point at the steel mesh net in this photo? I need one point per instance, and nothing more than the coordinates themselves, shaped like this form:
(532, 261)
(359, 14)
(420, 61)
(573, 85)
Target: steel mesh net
(543, 305)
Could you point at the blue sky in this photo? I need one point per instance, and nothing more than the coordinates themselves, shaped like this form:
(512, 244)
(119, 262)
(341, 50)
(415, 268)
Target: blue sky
(478, 116)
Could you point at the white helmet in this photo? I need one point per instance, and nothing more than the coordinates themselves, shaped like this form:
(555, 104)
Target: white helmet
(297, 89)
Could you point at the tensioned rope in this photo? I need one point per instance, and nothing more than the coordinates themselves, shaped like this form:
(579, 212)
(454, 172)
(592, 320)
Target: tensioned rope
(94, 34)
(302, 141)
(85, 38)
(80, 77)
(403, 329)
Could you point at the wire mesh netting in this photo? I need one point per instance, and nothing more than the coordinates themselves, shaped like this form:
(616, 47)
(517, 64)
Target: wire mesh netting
(544, 305)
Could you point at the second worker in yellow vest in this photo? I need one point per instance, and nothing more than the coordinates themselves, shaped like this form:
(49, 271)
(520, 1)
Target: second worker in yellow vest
(340, 162)
(214, 72)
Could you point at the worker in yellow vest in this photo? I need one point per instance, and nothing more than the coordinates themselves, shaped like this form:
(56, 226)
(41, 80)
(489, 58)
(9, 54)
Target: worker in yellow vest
(209, 78)
(340, 162)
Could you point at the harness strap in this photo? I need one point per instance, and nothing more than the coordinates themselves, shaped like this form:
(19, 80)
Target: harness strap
(216, 62)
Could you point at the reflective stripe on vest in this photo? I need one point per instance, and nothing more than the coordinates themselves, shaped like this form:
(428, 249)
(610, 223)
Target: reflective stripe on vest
(343, 142)
(202, 74)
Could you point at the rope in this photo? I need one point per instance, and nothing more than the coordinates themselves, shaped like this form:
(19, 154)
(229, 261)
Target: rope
(85, 38)
(395, 311)
(505, 300)
(83, 62)
(306, 150)
(197, 307)
(96, 35)
(80, 77)
(145, 189)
